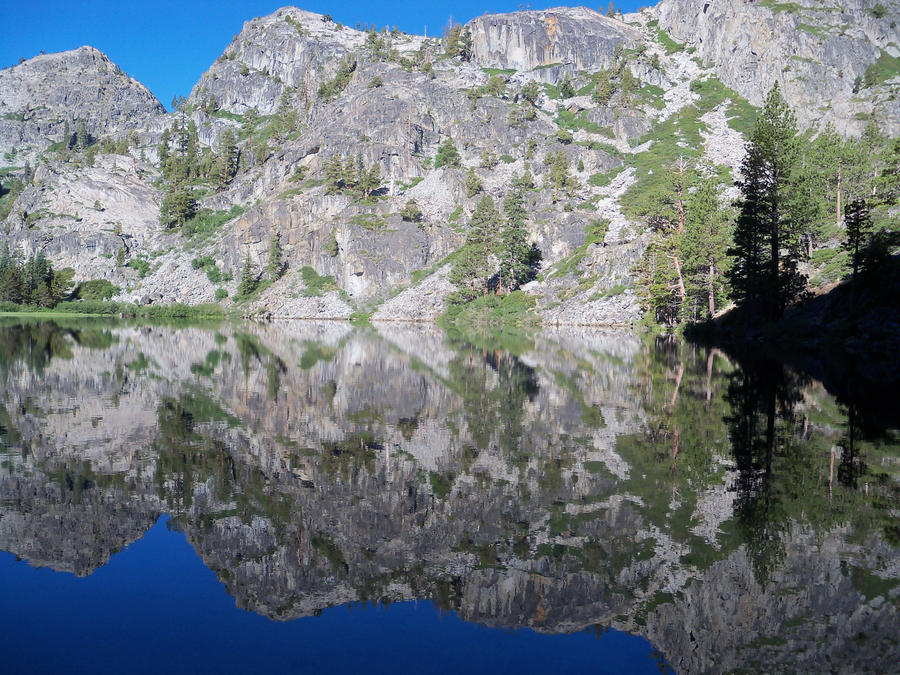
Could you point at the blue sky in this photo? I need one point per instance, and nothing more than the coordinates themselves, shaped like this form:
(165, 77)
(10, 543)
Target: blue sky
(167, 44)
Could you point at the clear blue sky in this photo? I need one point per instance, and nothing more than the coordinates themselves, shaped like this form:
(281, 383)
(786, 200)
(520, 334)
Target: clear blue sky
(167, 44)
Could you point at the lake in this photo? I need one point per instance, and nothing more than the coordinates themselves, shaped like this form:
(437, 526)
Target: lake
(321, 497)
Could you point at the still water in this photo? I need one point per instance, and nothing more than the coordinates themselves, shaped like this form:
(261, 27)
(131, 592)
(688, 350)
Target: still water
(314, 497)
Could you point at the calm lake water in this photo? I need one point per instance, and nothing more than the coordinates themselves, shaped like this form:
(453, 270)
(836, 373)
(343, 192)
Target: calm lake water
(318, 498)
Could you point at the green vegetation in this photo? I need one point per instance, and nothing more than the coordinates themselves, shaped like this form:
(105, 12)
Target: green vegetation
(95, 289)
(206, 222)
(447, 155)
(33, 281)
(333, 88)
(351, 176)
(316, 285)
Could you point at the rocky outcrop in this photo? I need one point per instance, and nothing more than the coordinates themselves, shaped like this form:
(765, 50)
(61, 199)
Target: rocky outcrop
(818, 53)
(527, 40)
(40, 96)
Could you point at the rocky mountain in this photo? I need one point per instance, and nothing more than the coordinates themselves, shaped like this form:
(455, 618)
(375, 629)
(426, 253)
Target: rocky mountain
(299, 91)
(40, 96)
(819, 52)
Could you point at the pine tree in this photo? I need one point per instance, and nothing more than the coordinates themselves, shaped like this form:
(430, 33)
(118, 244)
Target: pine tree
(516, 265)
(705, 243)
(370, 180)
(226, 159)
(447, 155)
(466, 47)
(334, 175)
(473, 183)
(249, 281)
(81, 135)
(887, 184)
(162, 150)
(774, 212)
(472, 270)
(859, 233)
(275, 266)
(178, 207)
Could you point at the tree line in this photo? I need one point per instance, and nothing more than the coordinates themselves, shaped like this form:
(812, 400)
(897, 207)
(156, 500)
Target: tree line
(797, 193)
(32, 281)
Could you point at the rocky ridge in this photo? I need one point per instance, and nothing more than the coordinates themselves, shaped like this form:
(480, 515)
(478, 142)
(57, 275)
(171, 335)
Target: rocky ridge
(39, 96)
(395, 113)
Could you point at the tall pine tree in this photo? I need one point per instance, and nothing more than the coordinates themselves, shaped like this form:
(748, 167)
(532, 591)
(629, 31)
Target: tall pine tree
(774, 212)
(705, 244)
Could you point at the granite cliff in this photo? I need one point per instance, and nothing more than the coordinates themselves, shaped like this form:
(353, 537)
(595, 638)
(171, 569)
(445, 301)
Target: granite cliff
(298, 90)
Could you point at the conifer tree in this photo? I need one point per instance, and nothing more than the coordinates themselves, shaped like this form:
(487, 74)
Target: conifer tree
(473, 183)
(226, 160)
(447, 155)
(275, 266)
(705, 243)
(472, 270)
(370, 180)
(178, 207)
(516, 263)
(859, 233)
(774, 212)
(334, 175)
(248, 281)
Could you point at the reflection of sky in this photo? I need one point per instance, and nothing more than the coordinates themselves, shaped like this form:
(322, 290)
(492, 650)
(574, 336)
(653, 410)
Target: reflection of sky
(156, 608)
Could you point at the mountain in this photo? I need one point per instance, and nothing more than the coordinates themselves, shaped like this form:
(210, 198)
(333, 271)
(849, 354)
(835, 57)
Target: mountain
(299, 91)
(40, 96)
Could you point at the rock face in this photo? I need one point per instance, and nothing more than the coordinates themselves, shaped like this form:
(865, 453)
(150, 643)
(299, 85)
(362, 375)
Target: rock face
(815, 51)
(578, 36)
(398, 100)
(39, 96)
(288, 49)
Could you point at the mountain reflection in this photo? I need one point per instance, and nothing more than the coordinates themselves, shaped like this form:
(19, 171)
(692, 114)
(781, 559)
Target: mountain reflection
(735, 516)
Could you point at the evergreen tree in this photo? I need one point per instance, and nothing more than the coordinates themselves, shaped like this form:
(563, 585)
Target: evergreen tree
(887, 184)
(473, 183)
(249, 280)
(472, 270)
(370, 181)
(81, 135)
(411, 212)
(447, 155)
(11, 284)
(466, 47)
(275, 266)
(705, 244)
(774, 212)
(226, 160)
(163, 150)
(516, 263)
(531, 92)
(859, 233)
(334, 175)
(178, 207)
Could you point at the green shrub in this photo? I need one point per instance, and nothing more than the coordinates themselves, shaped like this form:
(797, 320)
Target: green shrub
(95, 289)
(316, 285)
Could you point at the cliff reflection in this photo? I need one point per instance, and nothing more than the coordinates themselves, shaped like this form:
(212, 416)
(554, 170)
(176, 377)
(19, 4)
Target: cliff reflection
(724, 512)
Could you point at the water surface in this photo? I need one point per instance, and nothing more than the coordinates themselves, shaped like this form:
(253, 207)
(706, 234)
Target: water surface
(312, 496)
